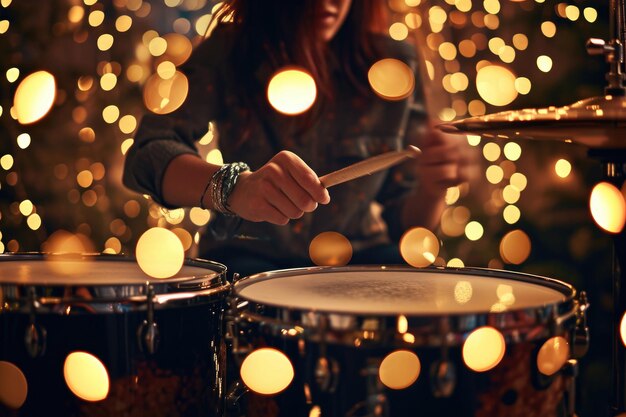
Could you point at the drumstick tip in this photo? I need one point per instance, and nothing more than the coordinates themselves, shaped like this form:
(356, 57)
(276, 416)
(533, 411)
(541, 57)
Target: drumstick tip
(413, 151)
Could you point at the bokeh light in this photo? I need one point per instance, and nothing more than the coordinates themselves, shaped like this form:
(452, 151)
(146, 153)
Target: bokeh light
(419, 247)
(391, 79)
(608, 207)
(483, 349)
(13, 385)
(267, 371)
(552, 355)
(496, 85)
(399, 369)
(34, 97)
(162, 96)
(330, 249)
(86, 376)
(563, 168)
(291, 91)
(160, 253)
(463, 292)
(515, 247)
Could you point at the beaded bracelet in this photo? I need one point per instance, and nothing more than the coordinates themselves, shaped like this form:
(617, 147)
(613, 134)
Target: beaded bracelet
(221, 185)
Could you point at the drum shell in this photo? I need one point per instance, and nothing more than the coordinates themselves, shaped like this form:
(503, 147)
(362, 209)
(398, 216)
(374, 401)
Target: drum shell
(513, 388)
(183, 377)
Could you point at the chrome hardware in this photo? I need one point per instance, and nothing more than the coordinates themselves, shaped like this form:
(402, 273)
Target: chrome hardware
(237, 390)
(570, 372)
(376, 404)
(148, 331)
(442, 378)
(327, 374)
(35, 335)
(581, 333)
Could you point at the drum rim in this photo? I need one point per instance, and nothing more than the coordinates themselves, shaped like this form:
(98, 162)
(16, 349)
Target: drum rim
(15, 295)
(555, 318)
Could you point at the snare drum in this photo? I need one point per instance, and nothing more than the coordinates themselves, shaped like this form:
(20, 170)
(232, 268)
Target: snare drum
(399, 341)
(103, 339)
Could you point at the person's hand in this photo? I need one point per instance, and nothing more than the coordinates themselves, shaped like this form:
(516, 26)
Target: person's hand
(444, 162)
(283, 189)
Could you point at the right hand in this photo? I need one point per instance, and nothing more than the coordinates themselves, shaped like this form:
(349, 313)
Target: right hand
(282, 189)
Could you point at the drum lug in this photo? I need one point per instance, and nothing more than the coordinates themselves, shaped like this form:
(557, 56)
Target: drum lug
(570, 372)
(235, 393)
(581, 333)
(148, 331)
(35, 335)
(327, 374)
(376, 404)
(443, 378)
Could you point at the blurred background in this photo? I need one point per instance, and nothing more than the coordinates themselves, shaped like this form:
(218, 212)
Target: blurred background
(86, 71)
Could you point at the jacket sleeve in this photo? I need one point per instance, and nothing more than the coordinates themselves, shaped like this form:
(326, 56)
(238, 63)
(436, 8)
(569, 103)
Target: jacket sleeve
(161, 138)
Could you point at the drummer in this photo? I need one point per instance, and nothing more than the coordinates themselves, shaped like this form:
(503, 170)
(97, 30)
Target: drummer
(267, 199)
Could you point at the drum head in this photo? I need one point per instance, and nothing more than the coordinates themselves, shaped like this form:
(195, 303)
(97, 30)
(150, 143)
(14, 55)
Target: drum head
(110, 270)
(408, 291)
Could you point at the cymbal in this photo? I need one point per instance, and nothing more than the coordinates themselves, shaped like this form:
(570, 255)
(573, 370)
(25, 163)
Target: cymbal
(596, 122)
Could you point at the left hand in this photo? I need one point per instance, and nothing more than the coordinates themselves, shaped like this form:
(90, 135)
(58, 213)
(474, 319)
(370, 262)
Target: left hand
(444, 162)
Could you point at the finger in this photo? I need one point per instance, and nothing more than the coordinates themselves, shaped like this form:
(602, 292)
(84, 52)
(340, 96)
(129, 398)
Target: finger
(282, 181)
(447, 174)
(442, 154)
(277, 198)
(271, 214)
(306, 178)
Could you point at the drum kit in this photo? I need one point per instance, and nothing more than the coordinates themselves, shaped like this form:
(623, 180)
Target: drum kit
(323, 341)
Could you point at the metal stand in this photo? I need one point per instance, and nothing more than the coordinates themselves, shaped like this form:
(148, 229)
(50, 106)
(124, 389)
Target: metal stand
(614, 171)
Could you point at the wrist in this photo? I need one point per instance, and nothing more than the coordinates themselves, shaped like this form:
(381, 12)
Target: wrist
(220, 186)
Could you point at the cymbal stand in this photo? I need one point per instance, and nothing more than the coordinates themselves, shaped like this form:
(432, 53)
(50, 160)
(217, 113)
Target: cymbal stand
(614, 171)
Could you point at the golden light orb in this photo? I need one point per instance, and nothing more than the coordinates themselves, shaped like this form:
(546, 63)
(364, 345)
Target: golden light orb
(34, 221)
(123, 23)
(515, 247)
(455, 263)
(267, 371)
(330, 249)
(391, 79)
(399, 369)
(291, 91)
(483, 349)
(64, 252)
(563, 168)
(398, 31)
(34, 97)
(491, 151)
(419, 247)
(199, 217)
(511, 214)
(474, 230)
(160, 253)
(608, 207)
(86, 376)
(496, 85)
(463, 291)
(13, 385)
(162, 96)
(185, 237)
(552, 355)
(622, 329)
(544, 63)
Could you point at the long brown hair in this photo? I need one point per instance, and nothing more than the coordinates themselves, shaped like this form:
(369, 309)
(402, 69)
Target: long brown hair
(283, 32)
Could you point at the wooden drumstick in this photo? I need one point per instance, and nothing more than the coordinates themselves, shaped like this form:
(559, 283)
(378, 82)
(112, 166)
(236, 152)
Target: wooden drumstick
(369, 166)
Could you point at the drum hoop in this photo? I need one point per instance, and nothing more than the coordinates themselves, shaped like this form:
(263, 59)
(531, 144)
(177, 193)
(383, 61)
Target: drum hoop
(186, 290)
(516, 325)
